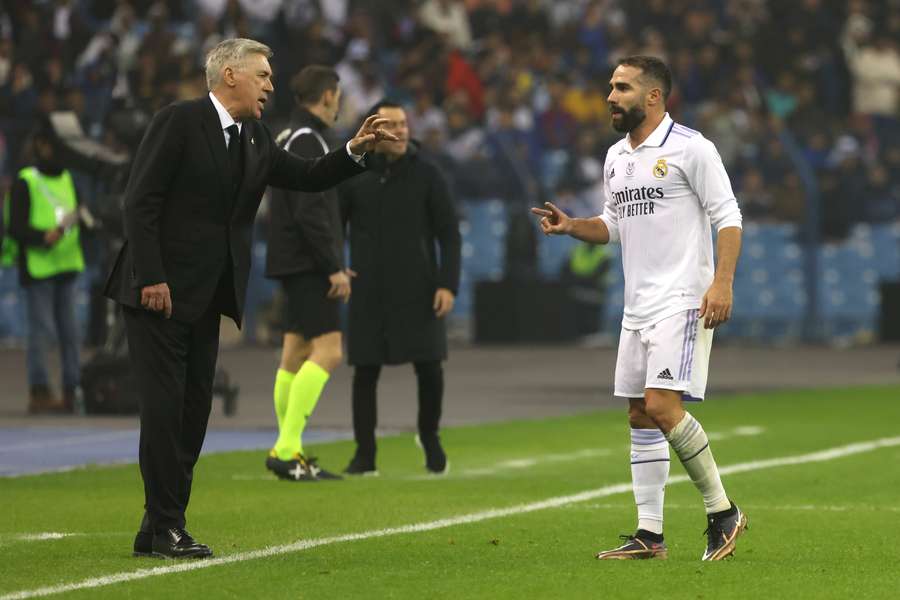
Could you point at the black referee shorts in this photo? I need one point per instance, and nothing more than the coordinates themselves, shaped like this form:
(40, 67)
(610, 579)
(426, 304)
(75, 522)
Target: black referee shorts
(307, 309)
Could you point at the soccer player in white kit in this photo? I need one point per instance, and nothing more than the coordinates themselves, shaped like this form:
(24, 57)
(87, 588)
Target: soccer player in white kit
(665, 186)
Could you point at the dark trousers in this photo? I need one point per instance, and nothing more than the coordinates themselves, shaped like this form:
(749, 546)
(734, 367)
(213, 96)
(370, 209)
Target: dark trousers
(174, 364)
(51, 310)
(430, 379)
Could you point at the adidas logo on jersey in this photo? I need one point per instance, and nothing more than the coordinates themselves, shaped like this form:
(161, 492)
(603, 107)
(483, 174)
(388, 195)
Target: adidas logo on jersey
(665, 374)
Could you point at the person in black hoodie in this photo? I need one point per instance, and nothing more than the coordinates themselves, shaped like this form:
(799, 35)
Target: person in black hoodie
(305, 254)
(400, 214)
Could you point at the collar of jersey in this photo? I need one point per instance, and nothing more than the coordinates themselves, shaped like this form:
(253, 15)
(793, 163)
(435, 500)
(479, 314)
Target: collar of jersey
(654, 140)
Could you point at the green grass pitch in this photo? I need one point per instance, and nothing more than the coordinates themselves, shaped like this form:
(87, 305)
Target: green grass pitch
(822, 529)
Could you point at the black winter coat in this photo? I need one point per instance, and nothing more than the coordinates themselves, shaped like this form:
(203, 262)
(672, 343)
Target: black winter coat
(399, 215)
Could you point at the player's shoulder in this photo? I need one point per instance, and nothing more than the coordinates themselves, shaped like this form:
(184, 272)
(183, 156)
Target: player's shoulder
(683, 136)
(690, 140)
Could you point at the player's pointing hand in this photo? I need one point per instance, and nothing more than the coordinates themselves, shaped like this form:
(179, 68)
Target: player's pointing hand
(553, 220)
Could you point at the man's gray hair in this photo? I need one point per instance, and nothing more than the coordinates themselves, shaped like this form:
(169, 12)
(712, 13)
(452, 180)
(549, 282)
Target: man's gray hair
(231, 53)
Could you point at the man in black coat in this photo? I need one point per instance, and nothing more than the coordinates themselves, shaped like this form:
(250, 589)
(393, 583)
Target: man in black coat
(398, 212)
(306, 255)
(194, 189)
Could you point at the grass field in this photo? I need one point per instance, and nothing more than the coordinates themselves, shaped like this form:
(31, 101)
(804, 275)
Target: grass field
(823, 525)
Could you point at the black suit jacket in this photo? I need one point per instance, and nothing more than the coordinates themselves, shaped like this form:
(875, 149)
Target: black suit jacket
(185, 224)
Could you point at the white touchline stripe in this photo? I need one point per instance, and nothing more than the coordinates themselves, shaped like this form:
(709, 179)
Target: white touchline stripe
(610, 490)
(743, 431)
(524, 463)
(47, 535)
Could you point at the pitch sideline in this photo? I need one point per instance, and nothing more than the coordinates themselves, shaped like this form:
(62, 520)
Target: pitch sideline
(620, 488)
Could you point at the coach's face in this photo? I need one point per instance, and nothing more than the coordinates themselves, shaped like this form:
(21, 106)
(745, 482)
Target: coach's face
(251, 84)
(627, 99)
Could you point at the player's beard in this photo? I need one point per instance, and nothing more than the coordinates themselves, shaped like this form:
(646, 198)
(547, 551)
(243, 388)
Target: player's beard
(630, 119)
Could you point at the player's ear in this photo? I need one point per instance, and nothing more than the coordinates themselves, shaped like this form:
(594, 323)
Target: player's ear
(654, 96)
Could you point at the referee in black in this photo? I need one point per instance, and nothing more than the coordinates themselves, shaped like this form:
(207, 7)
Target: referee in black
(305, 253)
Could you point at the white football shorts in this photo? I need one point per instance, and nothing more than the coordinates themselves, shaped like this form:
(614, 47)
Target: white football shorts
(672, 354)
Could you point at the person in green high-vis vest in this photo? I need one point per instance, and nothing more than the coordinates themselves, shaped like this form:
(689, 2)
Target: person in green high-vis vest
(43, 242)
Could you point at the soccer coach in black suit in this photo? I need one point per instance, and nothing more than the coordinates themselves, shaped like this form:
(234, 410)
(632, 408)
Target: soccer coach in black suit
(194, 189)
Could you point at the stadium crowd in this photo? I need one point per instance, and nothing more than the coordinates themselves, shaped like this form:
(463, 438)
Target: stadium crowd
(509, 95)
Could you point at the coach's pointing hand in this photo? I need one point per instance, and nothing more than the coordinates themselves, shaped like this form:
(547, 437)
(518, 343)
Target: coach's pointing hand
(371, 132)
(716, 306)
(553, 220)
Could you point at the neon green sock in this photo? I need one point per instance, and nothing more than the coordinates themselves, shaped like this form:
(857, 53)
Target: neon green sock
(283, 380)
(305, 391)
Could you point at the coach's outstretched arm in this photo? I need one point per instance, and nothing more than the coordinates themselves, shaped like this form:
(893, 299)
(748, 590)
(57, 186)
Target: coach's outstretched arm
(556, 222)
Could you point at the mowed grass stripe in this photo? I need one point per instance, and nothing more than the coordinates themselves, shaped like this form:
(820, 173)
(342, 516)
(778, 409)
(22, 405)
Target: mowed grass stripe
(555, 502)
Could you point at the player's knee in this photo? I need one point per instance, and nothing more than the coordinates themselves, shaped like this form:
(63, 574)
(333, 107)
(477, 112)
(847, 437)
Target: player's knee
(328, 352)
(637, 416)
(332, 358)
(294, 352)
(664, 408)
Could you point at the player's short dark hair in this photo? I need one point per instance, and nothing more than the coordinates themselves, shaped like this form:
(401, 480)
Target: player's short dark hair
(312, 82)
(383, 103)
(652, 68)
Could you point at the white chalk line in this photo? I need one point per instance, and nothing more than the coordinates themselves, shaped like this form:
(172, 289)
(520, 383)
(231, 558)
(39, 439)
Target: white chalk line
(742, 431)
(495, 513)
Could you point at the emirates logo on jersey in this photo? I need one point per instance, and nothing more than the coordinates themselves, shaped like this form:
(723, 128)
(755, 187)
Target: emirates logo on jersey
(660, 169)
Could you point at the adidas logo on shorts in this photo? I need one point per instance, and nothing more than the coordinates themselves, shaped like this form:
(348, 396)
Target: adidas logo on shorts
(665, 374)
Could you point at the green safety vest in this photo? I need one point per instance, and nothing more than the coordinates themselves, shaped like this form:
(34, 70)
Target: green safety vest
(586, 258)
(51, 198)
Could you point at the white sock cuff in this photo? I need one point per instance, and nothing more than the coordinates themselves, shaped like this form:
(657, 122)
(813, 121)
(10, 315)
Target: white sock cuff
(646, 437)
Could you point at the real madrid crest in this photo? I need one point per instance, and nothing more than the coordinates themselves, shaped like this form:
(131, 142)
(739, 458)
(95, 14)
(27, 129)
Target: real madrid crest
(629, 169)
(660, 169)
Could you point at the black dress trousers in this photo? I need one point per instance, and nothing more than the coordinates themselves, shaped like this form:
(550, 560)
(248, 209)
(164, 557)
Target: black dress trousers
(174, 364)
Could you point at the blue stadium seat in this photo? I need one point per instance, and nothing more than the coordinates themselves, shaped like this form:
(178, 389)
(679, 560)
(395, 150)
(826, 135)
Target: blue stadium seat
(483, 228)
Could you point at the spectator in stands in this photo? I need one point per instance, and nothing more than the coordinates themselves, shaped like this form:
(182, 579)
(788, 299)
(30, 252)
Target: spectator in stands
(449, 18)
(875, 64)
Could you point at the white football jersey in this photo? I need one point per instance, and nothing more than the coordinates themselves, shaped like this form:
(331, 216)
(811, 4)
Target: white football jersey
(661, 199)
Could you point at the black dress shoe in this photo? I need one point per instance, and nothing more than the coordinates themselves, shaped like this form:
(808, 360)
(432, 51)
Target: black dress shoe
(143, 541)
(361, 465)
(178, 543)
(435, 459)
(143, 544)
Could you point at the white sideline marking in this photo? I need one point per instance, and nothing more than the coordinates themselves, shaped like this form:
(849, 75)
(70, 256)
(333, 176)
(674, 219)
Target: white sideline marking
(743, 431)
(526, 463)
(47, 535)
(610, 490)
